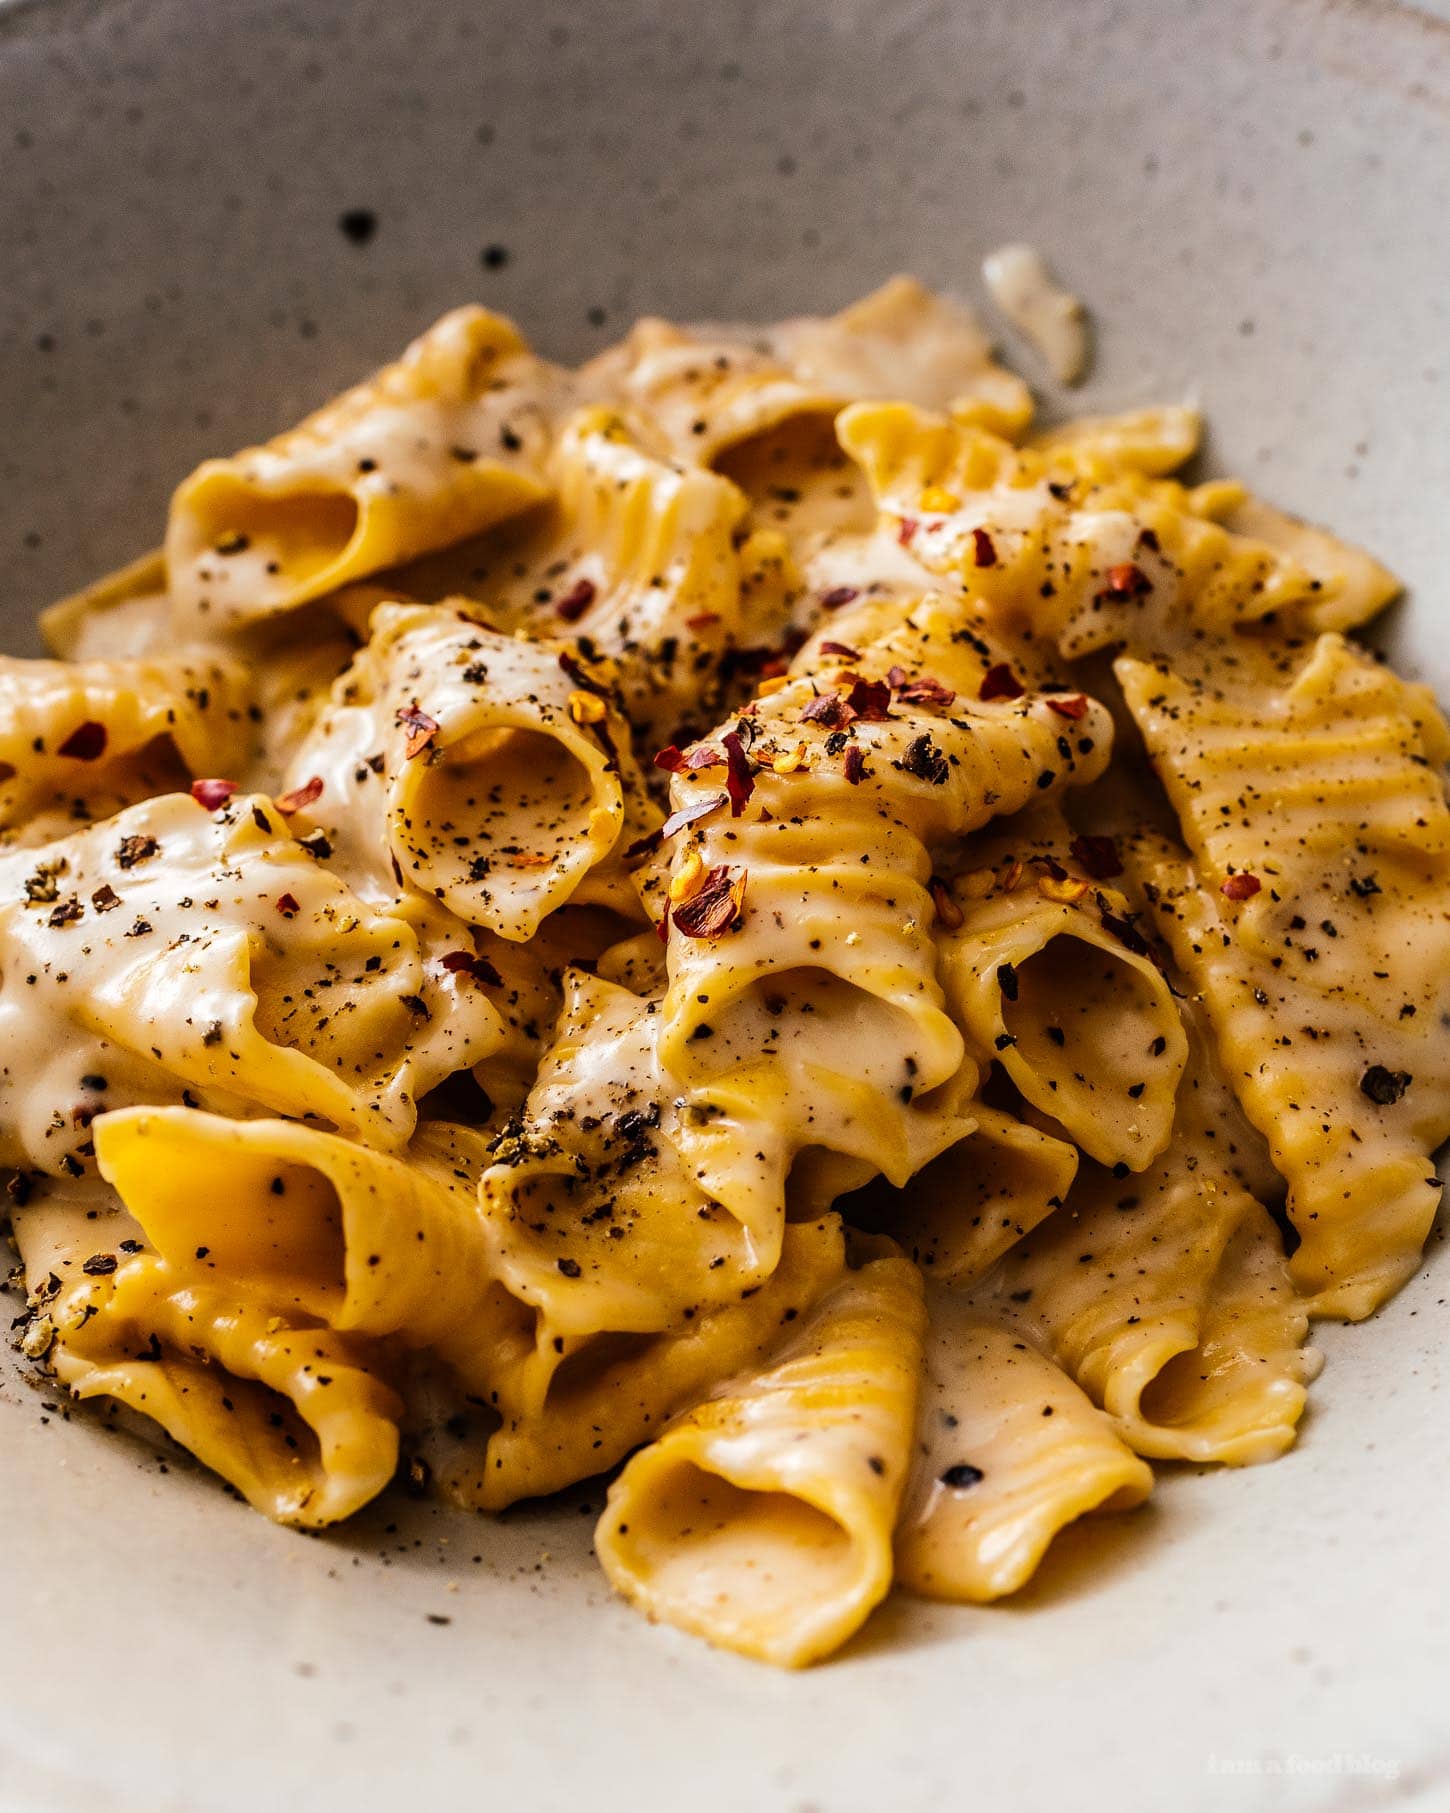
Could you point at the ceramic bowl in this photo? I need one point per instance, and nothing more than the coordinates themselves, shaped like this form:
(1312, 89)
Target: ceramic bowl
(1253, 197)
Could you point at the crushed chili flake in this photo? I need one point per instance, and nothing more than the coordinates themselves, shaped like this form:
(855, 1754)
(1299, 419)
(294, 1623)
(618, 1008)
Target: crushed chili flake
(703, 757)
(288, 905)
(716, 905)
(1128, 581)
(1384, 1087)
(869, 700)
(298, 797)
(739, 775)
(838, 597)
(906, 530)
(420, 727)
(697, 809)
(843, 649)
(212, 793)
(948, 912)
(924, 691)
(829, 709)
(643, 846)
(1074, 706)
(572, 606)
(671, 758)
(702, 620)
(984, 549)
(1241, 887)
(1065, 890)
(86, 743)
(853, 765)
(469, 963)
(999, 682)
(1098, 855)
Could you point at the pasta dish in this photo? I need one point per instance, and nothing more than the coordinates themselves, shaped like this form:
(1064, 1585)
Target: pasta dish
(739, 917)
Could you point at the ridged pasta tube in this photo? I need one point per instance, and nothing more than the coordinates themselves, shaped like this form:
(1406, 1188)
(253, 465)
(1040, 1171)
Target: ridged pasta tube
(762, 1519)
(451, 438)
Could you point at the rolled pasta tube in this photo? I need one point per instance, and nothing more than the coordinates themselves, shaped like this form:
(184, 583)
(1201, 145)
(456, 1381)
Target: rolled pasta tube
(801, 897)
(960, 1212)
(221, 956)
(82, 740)
(1048, 974)
(451, 438)
(613, 1392)
(321, 1227)
(291, 1417)
(1009, 1452)
(1310, 917)
(481, 770)
(762, 1519)
(634, 553)
(1072, 542)
(294, 1417)
(589, 1218)
(1184, 1327)
(703, 391)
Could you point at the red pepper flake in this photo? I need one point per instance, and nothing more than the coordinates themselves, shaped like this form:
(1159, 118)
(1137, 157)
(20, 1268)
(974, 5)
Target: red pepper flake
(984, 549)
(923, 691)
(420, 727)
(1242, 886)
(697, 809)
(671, 758)
(288, 905)
(703, 756)
(468, 963)
(853, 765)
(1128, 581)
(907, 530)
(212, 794)
(838, 597)
(1074, 706)
(299, 797)
(829, 709)
(870, 700)
(948, 912)
(843, 649)
(702, 620)
(1098, 856)
(572, 606)
(85, 743)
(715, 907)
(999, 682)
(739, 775)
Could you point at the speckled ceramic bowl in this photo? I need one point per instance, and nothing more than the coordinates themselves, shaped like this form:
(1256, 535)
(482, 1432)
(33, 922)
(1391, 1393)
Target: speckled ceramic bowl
(1253, 195)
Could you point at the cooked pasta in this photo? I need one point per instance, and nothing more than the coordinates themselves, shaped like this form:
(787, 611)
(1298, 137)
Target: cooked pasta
(738, 917)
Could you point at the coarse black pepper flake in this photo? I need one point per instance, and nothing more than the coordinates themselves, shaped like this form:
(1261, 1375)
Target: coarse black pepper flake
(1384, 1087)
(99, 1265)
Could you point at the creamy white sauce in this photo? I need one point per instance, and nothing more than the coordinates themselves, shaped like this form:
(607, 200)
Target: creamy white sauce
(1051, 318)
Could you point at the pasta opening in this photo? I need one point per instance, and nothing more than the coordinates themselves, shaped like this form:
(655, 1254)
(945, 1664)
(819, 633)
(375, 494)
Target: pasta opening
(275, 1224)
(713, 1550)
(1082, 1024)
(247, 531)
(1181, 1392)
(577, 1376)
(497, 817)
